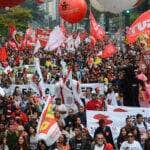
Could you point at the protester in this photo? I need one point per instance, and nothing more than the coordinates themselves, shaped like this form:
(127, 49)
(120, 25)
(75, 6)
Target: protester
(82, 115)
(78, 142)
(3, 144)
(32, 139)
(62, 144)
(147, 141)
(106, 131)
(140, 123)
(21, 144)
(129, 124)
(95, 103)
(131, 143)
(100, 143)
(122, 137)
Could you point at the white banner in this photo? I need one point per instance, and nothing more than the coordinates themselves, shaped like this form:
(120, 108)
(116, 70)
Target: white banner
(116, 120)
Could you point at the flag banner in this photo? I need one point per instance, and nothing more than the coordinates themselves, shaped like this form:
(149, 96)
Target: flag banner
(37, 46)
(95, 30)
(3, 54)
(40, 85)
(29, 38)
(140, 26)
(70, 44)
(2, 92)
(115, 118)
(109, 51)
(12, 30)
(42, 35)
(77, 41)
(55, 40)
(48, 129)
(63, 29)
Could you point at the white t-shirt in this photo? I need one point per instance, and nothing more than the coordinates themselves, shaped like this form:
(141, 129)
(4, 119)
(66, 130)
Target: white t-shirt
(127, 146)
(99, 147)
(113, 97)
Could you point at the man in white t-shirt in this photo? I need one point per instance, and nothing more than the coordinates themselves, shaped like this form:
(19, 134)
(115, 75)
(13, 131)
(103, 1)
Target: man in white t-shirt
(131, 143)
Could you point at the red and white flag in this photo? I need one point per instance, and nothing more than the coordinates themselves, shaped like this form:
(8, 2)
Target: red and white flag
(48, 129)
(96, 30)
(42, 35)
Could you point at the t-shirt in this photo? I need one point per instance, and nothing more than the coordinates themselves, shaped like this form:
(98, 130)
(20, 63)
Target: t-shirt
(113, 98)
(127, 146)
(95, 105)
(33, 142)
(78, 144)
(97, 147)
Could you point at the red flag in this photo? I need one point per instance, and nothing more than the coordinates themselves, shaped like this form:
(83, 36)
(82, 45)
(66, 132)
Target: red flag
(3, 54)
(12, 30)
(95, 30)
(109, 50)
(141, 25)
(63, 29)
(83, 35)
(43, 36)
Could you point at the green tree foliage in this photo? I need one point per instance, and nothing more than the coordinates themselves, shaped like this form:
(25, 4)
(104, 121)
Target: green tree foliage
(19, 16)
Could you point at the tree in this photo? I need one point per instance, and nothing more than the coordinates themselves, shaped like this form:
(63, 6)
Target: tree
(37, 14)
(19, 16)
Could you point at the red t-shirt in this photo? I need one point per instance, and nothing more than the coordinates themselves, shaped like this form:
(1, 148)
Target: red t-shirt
(95, 105)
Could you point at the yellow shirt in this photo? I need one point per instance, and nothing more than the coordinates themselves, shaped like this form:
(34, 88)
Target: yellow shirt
(97, 61)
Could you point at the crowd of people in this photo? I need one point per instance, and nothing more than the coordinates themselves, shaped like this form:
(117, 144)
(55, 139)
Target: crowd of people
(20, 111)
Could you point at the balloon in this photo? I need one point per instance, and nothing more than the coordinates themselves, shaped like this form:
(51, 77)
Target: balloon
(72, 11)
(117, 6)
(109, 50)
(10, 3)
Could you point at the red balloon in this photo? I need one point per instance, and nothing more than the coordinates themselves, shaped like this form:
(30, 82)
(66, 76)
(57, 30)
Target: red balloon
(109, 50)
(10, 3)
(72, 11)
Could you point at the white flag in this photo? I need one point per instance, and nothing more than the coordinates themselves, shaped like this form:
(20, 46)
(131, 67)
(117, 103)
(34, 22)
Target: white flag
(2, 92)
(37, 46)
(77, 42)
(55, 40)
(70, 44)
